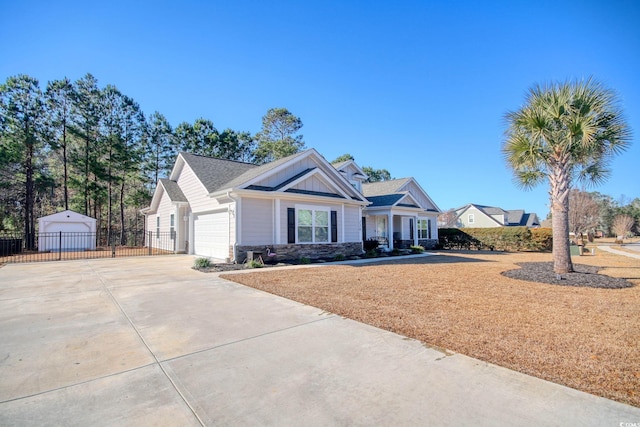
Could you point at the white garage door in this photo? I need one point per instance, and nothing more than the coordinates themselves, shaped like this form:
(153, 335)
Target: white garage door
(211, 235)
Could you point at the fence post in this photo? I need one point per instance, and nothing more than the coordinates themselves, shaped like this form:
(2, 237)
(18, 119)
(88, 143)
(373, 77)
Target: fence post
(59, 245)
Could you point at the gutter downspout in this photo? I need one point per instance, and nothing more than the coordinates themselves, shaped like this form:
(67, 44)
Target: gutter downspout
(235, 243)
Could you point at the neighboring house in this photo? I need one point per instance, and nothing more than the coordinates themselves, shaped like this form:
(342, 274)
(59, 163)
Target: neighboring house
(479, 216)
(298, 206)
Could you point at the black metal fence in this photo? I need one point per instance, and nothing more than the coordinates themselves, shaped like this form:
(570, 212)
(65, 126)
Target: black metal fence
(62, 245)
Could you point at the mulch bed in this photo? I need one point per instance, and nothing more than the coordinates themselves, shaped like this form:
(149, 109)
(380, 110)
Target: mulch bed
(583, 276)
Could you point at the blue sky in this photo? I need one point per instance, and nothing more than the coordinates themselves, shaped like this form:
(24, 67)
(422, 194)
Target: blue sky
(419, 88)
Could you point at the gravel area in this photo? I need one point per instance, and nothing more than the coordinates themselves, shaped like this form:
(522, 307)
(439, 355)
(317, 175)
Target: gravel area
(580, 336)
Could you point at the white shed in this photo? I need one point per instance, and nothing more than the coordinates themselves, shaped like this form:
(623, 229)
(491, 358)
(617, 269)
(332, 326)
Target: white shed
(66, 231)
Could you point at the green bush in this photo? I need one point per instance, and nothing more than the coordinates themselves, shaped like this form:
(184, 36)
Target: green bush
(254, 263)
(395, 252)
(339, 257)
(305, 260)
(371, 253)
(416, 249)
(497, 238)
(201, 263)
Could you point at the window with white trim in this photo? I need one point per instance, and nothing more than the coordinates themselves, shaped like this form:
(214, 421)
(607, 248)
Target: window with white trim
(472, 219)
(157, 227)
(172, 229)
(424, 229)
(313, 225)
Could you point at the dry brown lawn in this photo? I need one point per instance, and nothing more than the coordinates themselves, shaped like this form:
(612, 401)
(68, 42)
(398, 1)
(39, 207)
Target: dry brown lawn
(584, 338)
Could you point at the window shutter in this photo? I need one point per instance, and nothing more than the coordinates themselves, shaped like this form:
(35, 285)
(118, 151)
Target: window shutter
(411, 228)
(364, 229)
(334, 226)
(291, 225)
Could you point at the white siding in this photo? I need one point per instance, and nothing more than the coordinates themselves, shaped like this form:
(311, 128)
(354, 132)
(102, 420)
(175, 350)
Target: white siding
(165, 209)
(352, 219)
(257, 222)
(194, 191)
(352, 224)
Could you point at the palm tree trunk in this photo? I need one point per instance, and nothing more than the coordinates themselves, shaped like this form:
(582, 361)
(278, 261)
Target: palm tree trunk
(560, 184)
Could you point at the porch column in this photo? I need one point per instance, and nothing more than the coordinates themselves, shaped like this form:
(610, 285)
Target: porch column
(390, 230)
(276, 219)
(415, 231)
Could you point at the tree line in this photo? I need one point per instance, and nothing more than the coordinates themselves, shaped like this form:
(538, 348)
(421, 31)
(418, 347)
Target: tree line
(76, 145)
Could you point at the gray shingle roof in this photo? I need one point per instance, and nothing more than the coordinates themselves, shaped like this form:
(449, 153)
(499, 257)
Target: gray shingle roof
(212, 172)
(381, 188)
(173, 190)
(220, 174)
(384, 200)
(256, 171)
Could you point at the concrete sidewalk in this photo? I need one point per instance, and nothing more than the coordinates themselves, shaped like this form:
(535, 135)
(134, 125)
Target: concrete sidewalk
(148, 341)
(618, 252)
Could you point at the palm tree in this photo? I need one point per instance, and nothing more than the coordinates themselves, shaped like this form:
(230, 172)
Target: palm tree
(565, 132)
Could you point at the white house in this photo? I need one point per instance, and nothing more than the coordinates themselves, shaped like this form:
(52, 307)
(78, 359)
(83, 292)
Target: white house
(297, 206)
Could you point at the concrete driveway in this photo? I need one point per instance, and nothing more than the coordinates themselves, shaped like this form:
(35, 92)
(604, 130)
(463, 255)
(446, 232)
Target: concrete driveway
(148, 341)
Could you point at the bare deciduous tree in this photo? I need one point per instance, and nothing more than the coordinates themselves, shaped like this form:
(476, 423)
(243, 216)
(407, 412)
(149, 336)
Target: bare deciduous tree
(584, 213)
(622, 225)
(448, 219)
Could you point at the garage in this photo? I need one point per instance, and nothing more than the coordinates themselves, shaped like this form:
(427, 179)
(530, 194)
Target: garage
(66, 231)
(211, 235)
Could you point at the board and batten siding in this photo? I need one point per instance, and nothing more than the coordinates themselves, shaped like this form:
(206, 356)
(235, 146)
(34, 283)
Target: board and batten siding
(257, 222)
(314, 184)
(417, 193)
(288, 172)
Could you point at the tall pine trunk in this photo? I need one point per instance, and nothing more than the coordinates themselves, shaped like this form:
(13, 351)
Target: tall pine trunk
(29, 221)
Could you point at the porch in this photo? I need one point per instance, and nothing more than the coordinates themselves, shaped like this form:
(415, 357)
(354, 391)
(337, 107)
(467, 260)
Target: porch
(400, 230)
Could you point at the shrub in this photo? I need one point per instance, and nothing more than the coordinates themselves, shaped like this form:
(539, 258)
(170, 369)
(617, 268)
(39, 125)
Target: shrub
(395, 252)
(371, 253)
(370, 244)
(305, 260)
(254, 264)
(339, 257)
(416, 249)
(201, 263)
(541, 239)
(498, 238)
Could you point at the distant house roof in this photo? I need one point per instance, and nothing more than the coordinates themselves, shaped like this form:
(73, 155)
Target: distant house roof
(514, 217)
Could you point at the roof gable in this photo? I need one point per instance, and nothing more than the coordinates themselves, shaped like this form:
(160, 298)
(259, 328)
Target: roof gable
(382, 192)
(306, 172)
(211, 172)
